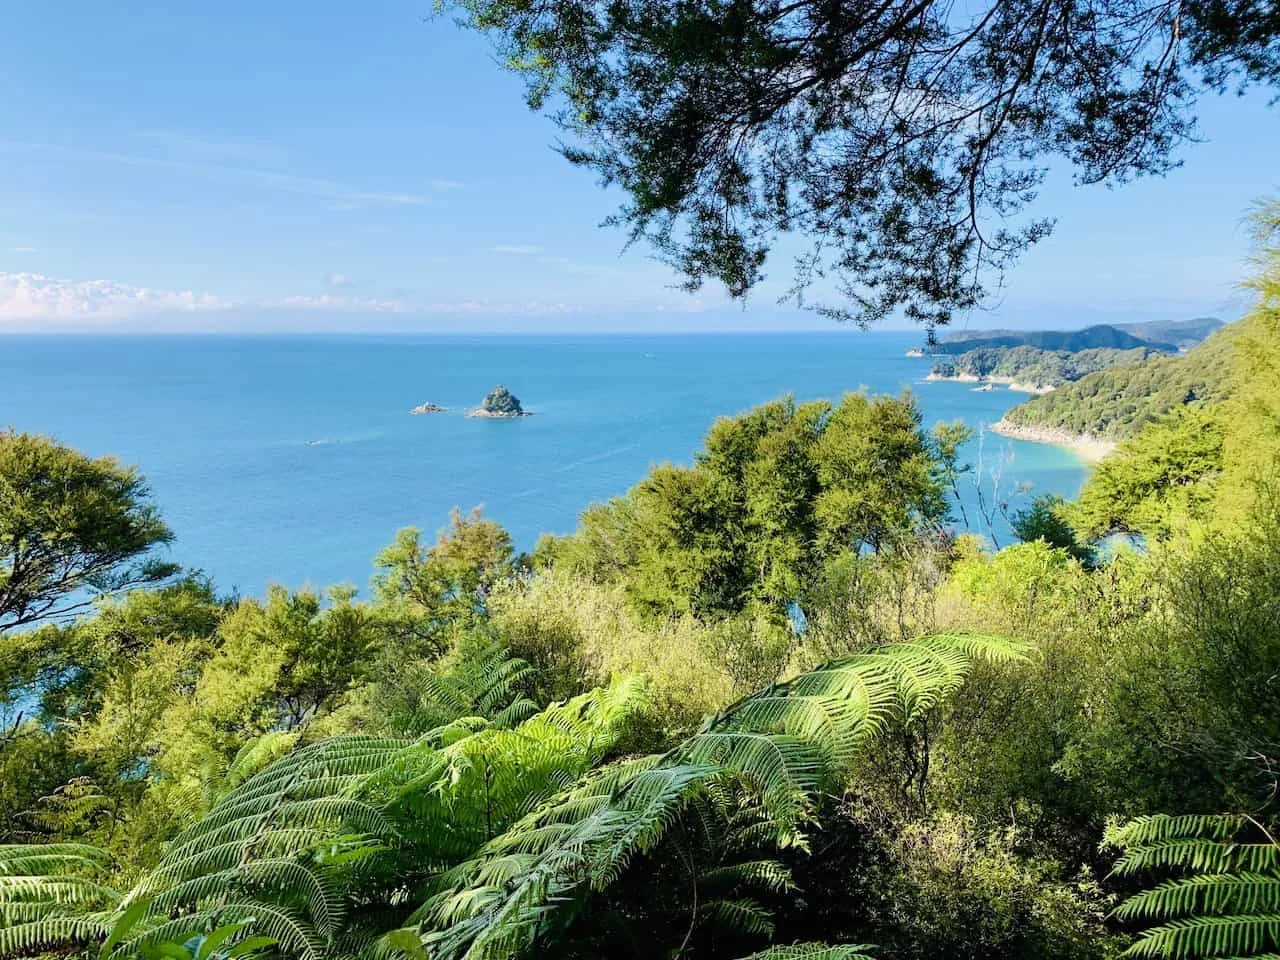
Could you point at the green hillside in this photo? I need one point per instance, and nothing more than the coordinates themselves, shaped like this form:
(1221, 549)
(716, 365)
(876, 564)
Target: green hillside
(1035, 368)
(1117, 403)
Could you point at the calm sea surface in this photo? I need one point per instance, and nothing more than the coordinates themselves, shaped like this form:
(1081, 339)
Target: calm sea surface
(294, 459)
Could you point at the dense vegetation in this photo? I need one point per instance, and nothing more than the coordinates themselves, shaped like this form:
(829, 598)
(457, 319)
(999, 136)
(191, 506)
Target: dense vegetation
(772, 704)
(1034, 368)
(1119, 402)
(501, 402)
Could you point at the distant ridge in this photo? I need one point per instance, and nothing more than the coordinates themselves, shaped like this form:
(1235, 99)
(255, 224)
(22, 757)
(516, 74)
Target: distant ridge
(1184, 334)
(1090, 338)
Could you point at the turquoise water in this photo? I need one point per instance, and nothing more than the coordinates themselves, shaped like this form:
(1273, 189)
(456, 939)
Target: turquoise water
(293, 460)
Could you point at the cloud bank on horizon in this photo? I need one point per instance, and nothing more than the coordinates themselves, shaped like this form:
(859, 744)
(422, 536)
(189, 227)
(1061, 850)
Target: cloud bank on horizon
(26, 297)
(37, 302)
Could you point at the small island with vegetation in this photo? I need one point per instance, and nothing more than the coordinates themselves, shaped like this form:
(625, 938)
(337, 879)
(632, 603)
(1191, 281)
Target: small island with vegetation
(499, 403)
(428, 407)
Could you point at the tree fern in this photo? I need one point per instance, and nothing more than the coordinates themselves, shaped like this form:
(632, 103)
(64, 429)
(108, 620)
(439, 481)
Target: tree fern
(279, 851)
(787, 743)
(295, 848)
(481, 836)
(1224, 903)
(815, 951)
(53, 895)
(486, 683)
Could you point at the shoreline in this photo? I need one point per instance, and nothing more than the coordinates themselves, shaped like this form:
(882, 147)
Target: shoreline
(1089, 447)
(481, 414)
(1010, 383)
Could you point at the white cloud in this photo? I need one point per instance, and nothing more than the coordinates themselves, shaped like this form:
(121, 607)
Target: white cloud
(216, 146)
(516, 249)
(338, 280)
(327, 301)
(343, 196)
(34, 296)
(25, 250)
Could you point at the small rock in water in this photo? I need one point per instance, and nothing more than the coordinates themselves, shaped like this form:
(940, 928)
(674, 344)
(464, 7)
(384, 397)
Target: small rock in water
(500, 402)
(428, 408)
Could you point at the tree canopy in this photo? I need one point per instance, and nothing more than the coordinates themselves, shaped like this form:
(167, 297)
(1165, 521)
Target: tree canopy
(70, 527)
(901, 140)
(774, 493)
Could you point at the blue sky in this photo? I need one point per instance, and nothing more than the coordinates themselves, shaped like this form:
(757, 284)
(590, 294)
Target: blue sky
(361, 166)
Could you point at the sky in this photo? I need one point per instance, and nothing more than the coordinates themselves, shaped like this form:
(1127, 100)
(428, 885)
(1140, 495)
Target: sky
(342, 166)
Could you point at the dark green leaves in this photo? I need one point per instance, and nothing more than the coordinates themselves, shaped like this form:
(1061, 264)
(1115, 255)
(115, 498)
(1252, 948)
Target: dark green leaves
(67, 524)
(1226, 901)
(899, 140)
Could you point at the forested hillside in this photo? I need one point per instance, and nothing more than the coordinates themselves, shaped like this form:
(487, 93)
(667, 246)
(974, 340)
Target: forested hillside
(1117, 403)
(776, 704)
(1031, 368)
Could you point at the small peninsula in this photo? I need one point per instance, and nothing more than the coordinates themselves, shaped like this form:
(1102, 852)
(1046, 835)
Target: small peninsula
(428, 407)
(499, 403)
(1114, 405)
(1030, 369)
(1040, 361)
(1096, 386)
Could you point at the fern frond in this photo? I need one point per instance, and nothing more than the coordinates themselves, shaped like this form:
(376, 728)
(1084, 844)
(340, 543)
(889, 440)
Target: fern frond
(59, 890)
(51, 896)
(44, 858)
(772, 876)
(1194, 853)
(1205, 894)
(742, 917)
(786, 744)
(1163, 826)
(1229, 903)
(816, 951)
(50, 933)
(1232, 936)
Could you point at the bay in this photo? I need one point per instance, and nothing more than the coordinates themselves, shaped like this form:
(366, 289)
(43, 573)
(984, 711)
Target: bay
(294, 459)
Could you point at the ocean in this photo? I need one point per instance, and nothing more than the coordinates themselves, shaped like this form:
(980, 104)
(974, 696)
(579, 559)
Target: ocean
(294, 459)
